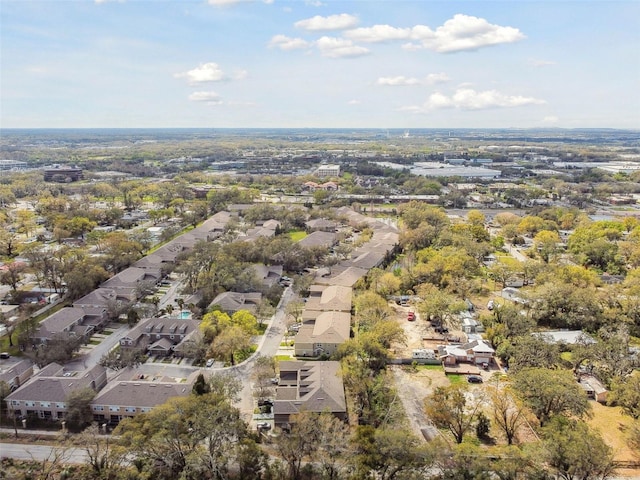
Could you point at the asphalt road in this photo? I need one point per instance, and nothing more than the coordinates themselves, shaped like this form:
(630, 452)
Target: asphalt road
(41, 452)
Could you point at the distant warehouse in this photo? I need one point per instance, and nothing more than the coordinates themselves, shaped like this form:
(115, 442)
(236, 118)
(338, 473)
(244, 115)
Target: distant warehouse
(62, 174)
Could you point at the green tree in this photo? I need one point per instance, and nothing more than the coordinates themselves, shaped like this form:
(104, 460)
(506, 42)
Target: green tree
(79, 412)
(229, 342)
(575, 452)
(507, 411)
(452, 409)
(551, 392)
(626, 393)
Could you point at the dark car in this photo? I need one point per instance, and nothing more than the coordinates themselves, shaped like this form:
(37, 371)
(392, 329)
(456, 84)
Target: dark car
(266, 402)
(474, 379)
(263, 426)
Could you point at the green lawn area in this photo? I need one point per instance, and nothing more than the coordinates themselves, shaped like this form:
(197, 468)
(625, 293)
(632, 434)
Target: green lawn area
(107, 332)
(297, 235)
(94, 342)
(455, 378)
(283, 357)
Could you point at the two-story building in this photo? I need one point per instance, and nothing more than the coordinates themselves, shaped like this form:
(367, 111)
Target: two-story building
(45, 394)
(160, 336)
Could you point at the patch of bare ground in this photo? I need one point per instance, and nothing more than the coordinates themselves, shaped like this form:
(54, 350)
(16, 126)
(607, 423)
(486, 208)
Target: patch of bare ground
(413, 386)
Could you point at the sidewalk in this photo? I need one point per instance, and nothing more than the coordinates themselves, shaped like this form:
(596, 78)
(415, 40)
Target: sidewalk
(10, 432)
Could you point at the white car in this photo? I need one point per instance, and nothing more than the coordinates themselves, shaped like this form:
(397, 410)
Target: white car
(210, 362)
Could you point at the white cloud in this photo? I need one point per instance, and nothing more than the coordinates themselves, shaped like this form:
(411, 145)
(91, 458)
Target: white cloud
(434, 78)
(462, 32)
(318, 23)
(287, 43)
(354, 102)
(339, 48)
(315, 3)
(379, 33)
(205, 72)
(397, 81)
(469, 99)
(210, 98)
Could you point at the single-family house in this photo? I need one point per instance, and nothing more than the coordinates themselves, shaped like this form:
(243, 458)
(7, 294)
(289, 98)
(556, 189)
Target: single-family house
(319, 239)
(269, 275)
(477, 352)
(593, 388)
(308, 386)
(232, 302)
(46, 393)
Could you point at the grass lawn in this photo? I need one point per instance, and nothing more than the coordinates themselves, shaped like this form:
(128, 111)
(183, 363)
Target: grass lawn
(94, 342)
(455, 378)
(297, 235)
(283, 357)
(4, 346)
(613, 426)
(107, 332)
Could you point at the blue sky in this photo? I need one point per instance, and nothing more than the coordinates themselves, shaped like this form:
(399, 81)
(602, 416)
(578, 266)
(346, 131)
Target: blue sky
(381, 64)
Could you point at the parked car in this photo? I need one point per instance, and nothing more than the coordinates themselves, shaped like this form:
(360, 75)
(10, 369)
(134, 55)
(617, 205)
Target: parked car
(411, 316)
(441, 329)
(474, 379)
(4, 355)
(263, 426)
(265, 402)
(210, 362)
(275, 380)
(490, 305)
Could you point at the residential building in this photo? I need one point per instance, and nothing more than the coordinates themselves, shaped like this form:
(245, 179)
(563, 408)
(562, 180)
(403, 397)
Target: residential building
(477, 352)
(232, 302)
(160, 336)
(68, 320)
(15, 374)
(310, 387)
(324, 335)
(45, 394)
(327, 298)
(128, 398)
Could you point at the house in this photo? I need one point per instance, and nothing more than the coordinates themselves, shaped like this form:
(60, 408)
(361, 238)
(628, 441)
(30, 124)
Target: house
(308, 386)
(328, 298)
(477, 352)
(324, 336)
(269, 275)
(68, 320)
(126, 399)
(319, 239)
(593, 388)
(232, 302)
(341, 276)
(133, 281)
(103, 303)
(160, 336)
(45, 394)
(16, 374)
(321, 224)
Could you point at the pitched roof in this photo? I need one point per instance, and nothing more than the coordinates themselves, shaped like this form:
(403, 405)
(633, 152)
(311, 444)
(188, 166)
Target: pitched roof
(54, 384)
(60, 321)
(309, 386)
(333, 297)
(329, 327)
(234, 301)
(141, 394)
(318, 239)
